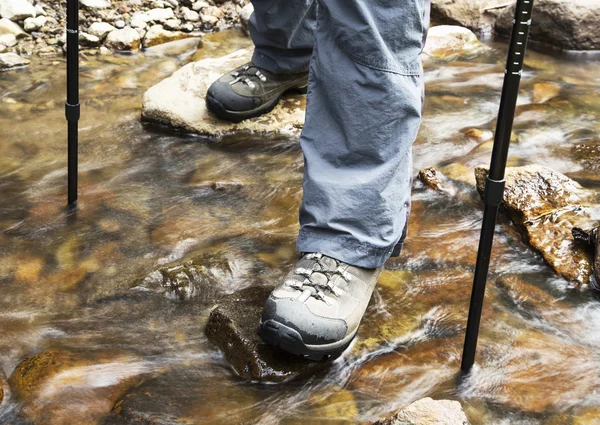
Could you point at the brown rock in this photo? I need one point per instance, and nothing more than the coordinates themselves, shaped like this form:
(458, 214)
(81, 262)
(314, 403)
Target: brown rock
(543, 92)
(232, 327)
(427, 411)
(432, 178)
(544, 206)
(467, 13)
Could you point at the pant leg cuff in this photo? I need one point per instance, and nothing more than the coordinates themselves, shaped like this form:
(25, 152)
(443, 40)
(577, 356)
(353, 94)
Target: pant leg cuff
(343, 248)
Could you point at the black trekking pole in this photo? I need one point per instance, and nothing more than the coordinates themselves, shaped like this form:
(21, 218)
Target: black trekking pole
(494, 184)
(72, 105)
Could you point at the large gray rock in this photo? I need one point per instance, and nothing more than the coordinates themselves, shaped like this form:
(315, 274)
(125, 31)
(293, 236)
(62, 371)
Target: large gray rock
(179, 101)
(545, 205)
(11, 61)
(16, 10)
(569, 25)
(123, 39)
(477, 15)
(427, 411)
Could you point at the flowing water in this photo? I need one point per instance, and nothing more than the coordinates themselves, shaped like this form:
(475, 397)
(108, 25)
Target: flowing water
(148, 197)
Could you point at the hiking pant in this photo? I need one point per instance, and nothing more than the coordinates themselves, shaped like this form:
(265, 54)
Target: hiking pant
(365, 93)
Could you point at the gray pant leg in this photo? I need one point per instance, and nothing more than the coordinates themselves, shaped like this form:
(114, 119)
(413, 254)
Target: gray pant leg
(283, 34)
(363, 113)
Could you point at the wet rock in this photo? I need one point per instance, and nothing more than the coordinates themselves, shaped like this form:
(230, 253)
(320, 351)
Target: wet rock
(101, 29)
(570, 25)
(158, 35)
(178, 101)
(477, 15)
(432, 178)
(11, 61)
(587, 153)
(95, 4)
(543, 92)
(29, 269)
(61, 386)
(232, 327)
(478, 135)
(245, 14)
(545, 206)
(16, 10)
(590, 238)
(200, 279)
(123, 39)
(428, 412)
(448, 42)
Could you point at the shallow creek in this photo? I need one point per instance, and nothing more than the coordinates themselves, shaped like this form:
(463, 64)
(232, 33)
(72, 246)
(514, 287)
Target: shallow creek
(149, 197)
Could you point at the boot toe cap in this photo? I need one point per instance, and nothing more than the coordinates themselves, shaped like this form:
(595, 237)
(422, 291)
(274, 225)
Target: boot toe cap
(225, 95)
(313, 329)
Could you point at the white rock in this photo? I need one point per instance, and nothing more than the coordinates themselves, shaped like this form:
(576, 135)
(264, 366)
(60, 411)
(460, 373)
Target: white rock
(123, 39)
(179, 101)
(2, 48)
(209, 19)
(199, 5)
(214, 11)
(88, 40)
(95, 4)
(16, 10)
(450, 41)
(429, 412)
(188, 27)
(8, 40)
(9, 27)
(39, 10)
(120, 24)
(104, 51)
(160, 15)
(139, 22)
(190, 15)
(34, 24)
(245, 14)
(173, 24)
(101, 29)
(12, 60)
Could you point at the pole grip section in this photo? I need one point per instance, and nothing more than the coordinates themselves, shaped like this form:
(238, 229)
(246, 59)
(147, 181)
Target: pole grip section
(494, 191)
(72, 112)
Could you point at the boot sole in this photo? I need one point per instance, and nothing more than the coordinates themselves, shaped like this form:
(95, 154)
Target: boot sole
(274, 333)
(220, 111)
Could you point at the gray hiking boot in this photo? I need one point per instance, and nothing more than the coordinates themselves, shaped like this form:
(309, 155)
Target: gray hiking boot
(316, 310)
(249, 91)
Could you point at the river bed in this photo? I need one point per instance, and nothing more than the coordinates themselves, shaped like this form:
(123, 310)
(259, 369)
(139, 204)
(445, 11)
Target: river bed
(149, 197)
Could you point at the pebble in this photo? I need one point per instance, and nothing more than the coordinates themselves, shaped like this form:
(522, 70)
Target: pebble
(199, 5)
(173, 24)
(190, 15)
(160, 15)
(120, 24)
(88, 40)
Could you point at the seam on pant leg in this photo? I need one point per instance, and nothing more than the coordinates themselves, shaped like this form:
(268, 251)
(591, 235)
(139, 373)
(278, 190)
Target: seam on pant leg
(361, 247)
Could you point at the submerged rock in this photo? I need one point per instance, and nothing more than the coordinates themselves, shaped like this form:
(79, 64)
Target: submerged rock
(428, 412)
(198, 279)
(570, 25)
(432, 178)
(60, 386)
(232, 327)
(179, 101)
(545, 205)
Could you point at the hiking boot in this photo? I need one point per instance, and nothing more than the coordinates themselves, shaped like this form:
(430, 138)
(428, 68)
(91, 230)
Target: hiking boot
(249, 91)
(316, 310)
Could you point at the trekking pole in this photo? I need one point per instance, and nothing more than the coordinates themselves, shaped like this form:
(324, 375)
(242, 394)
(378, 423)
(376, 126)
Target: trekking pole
(72, 104)
(494, 183)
